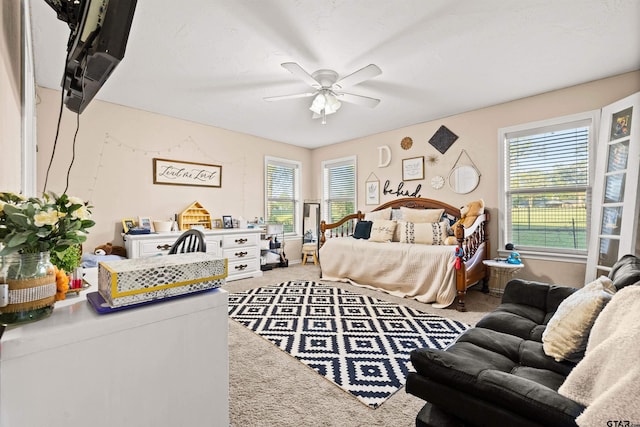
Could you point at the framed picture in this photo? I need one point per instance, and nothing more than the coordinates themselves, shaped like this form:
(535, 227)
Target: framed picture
(227, 221)
(128, 223)
(373, 193)
(413, 168)
(145, 222)
(217, 223)
(621, 124)
(176, 172)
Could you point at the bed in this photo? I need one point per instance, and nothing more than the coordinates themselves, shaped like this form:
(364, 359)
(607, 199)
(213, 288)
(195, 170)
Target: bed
(427, 273)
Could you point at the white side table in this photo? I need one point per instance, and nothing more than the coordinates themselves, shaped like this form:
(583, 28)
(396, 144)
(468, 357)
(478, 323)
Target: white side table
(500, 272)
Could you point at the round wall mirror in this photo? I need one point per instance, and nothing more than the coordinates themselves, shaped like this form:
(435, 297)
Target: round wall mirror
(464, 179)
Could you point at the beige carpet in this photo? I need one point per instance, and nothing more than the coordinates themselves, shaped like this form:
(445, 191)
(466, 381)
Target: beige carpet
(268, 387)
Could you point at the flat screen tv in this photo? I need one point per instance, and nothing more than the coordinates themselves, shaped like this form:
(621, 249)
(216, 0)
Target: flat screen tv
(98, 39)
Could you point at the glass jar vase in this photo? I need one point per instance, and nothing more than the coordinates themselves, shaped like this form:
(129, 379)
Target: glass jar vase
(27, 287)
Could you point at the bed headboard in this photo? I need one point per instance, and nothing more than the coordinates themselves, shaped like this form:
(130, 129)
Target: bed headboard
(420, 203)
(346, 226)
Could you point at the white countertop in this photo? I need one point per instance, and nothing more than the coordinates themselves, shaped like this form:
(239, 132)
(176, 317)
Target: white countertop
(74, 319)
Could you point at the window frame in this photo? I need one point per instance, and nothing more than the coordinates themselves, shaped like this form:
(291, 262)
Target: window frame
(326, 164)
(297, 167)
(533, 128)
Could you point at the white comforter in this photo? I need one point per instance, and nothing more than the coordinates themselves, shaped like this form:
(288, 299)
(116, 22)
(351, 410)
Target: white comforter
(423, 272)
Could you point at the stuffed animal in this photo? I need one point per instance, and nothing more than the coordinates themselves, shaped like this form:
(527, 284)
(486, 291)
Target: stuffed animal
(468, 215)
(109, 249)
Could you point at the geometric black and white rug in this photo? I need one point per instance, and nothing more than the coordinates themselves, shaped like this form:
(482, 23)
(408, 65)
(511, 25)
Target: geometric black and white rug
(360, 343)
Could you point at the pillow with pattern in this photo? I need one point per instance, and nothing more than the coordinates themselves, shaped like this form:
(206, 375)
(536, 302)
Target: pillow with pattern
(428, 233)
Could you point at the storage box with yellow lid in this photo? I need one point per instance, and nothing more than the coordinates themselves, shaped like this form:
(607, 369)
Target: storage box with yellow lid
(131, 281)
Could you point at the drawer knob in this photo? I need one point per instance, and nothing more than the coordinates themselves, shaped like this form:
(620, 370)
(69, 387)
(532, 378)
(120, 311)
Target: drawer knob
(241, 267)
(242, 254)
(164, 247)
(241, 241)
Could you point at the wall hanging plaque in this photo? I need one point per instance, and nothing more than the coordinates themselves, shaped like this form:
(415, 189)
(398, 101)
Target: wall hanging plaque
(372, 186)
(175, 172)
(413, 168)
(406, 143)
(443, 139)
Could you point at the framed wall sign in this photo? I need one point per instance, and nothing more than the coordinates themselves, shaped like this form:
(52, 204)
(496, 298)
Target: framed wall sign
(413, 168)
(373, 192)
(176, 172)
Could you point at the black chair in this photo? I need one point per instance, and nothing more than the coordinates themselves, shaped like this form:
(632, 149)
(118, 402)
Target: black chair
(189, 241)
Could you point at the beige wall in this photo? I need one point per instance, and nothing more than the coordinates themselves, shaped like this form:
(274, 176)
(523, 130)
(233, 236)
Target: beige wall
(113, 167)
(477, 133)
(115, 147)
(10, 98)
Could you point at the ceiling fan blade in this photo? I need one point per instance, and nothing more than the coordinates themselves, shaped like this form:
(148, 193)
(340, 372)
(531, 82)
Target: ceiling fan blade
(365, 73)
(294, 96)
(300, 73)
(351, 98)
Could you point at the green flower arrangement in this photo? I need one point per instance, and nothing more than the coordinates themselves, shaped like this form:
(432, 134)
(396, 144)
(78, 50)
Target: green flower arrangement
(52, 223)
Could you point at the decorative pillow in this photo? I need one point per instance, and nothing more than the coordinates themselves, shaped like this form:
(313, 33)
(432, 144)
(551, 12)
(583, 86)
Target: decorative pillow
(428, 233)
(382, 214)
(421, 215)
(363, 230)
(382, 230)
(567, 333)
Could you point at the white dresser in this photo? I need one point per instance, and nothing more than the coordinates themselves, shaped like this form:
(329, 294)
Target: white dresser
(241, 246)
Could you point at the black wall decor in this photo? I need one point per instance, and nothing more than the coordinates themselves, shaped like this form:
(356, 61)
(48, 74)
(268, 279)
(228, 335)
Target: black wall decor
(443, 139)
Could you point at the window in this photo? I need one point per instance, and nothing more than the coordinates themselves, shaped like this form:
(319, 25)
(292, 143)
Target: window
(547, 185)
(282, 181)
(339, 188)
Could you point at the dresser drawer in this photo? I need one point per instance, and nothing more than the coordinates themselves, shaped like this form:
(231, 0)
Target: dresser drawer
(162, 246)
(240, 253)
(155, 247)
(242, 267)
(240, 240)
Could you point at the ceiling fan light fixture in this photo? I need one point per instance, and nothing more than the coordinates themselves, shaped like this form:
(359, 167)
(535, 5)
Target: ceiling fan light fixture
(331, 104)
(318, 103)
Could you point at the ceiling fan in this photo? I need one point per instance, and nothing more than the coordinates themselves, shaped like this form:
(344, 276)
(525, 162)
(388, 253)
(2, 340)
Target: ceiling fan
(328, 92)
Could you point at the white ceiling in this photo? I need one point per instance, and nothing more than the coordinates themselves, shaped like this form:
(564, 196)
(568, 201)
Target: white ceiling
(213, 61)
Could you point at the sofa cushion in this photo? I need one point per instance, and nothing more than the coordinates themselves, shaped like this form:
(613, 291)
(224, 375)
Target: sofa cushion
(626, 271)
(479, 349)
(566, 334)
(526, 308)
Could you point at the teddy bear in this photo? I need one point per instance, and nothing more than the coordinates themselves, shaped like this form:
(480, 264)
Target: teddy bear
(109, 249)
(468, 215)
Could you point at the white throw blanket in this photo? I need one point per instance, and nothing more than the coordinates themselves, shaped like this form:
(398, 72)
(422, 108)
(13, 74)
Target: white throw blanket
(423, 272)
(607, 380)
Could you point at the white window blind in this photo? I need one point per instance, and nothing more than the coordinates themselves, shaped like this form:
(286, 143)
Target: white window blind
(282, 194)
(547, 187)
(339, 193)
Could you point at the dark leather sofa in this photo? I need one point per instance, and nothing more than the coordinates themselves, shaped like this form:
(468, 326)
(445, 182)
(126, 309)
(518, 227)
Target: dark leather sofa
(497, 374)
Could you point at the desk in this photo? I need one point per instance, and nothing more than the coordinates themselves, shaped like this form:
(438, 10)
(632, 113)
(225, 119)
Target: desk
(500, 272)
(165, 364)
